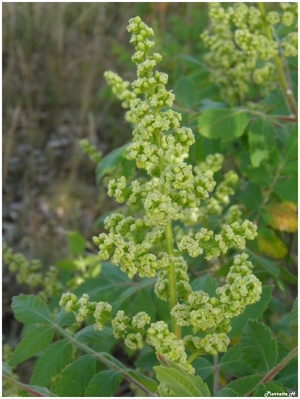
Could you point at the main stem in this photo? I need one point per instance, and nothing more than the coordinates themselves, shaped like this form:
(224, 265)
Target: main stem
(286, 89)
(170, 251)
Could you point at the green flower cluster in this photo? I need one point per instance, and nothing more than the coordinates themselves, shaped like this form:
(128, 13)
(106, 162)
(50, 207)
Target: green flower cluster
(31, 273)
(144, 244)
(213, 314)
(90, 150)
(83, 308)
(242, 43)
(233, 235)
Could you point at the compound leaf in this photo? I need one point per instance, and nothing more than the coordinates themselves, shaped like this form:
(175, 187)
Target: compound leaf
(258, 348)
(52, 361)
(242, 386)
(103, 384)
(32, 343)
(76, 376)
(180, 382)
(30, 309)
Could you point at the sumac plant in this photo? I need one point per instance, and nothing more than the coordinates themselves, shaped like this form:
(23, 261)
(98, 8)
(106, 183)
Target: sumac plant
(159, 318)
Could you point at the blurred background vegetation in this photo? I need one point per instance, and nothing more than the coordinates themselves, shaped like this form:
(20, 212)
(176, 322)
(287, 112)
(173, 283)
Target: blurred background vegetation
(54, 94)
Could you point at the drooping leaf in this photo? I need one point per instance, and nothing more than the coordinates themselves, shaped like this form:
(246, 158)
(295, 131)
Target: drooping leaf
(252, 312)
(76, 376)
(76, 243)
(295, 312)
(104, 384)
(32, 343)
(242, 386)
(231, 362)
(51, 362)
(222, 123)
(260, 136)
(185, 92)
(269, 244)
(258, 348)
(30, 309)
(283, 216)
(180, 382)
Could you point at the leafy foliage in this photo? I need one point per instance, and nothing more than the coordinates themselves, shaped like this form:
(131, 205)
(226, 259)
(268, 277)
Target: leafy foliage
(177, 291)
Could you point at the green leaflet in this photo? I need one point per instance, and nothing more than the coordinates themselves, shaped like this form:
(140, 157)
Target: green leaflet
(203, 367)
(104, 384)
(33, 342)
(76, 243)
(76, 377)
(51, 362)
(222, 123)
(268, 387)
(147, 382)
(232, 363)
(180, 382)
(97, 340)
(252, 312)
(258, 348)
(244, 385)
(30, 309)
(6, 369)
(226, 392)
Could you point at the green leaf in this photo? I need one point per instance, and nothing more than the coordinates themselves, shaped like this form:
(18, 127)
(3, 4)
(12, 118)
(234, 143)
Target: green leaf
(30, 309)
(225, 124)
(146, 361)
(268, 265)
(270, 387)
(6, 369)
(261, 141)
(76, 377)
(99, 341)
(287, 189)
(66, 264)
(252, 312)
(258, 348)
(203, 367)
(52, 361)
(76, 243)
(291, 150)
(295, 312)
(232, 363)
(244, 385)
(226, 392)
(185, 92)
(269, 244)
(147, 382)
(205, 283)
(33, 342)
(114, 158)
(104, 384)
(180, 382)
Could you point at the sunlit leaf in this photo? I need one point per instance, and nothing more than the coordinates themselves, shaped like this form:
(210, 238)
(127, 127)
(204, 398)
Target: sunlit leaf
(269, 244)
(283, 216)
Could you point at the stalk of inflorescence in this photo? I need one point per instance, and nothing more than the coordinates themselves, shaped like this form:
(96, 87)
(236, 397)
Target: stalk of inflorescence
(286, 89)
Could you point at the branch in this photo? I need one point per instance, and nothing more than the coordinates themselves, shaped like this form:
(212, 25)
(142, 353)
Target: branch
(32, 390)
(271, 374)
